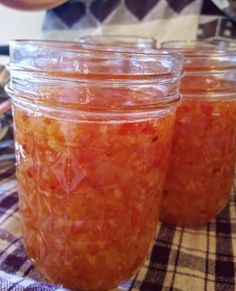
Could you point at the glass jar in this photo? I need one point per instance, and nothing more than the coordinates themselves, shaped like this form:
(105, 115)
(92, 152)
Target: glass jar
(119, 41)
(201, 165)
(93, 133)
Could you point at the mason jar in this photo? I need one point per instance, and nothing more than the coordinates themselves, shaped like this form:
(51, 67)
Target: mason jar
(201, 166)
(93, 134)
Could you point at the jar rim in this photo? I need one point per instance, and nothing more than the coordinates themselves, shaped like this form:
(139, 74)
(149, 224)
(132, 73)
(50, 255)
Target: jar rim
(198, 48)
(203, 57)
(36, 64)
(47, 57)
(127, 41)
(67, 46)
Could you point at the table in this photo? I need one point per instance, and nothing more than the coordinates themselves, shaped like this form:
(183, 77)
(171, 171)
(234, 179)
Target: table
(182, 259)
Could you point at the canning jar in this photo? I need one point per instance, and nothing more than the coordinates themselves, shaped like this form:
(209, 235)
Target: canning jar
(119, 41)
(93, 133)
(201, 165)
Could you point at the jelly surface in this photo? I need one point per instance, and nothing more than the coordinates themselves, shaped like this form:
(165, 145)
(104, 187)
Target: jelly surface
(90, 194)
(202, 160)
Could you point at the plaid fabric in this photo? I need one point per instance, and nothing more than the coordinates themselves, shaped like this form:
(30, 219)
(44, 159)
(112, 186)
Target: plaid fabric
(195, 259)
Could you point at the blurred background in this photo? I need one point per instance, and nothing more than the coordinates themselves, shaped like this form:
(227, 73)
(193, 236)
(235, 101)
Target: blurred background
(28, 24)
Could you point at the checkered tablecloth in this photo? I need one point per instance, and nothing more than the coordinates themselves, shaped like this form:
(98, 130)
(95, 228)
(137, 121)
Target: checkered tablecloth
(186, 259)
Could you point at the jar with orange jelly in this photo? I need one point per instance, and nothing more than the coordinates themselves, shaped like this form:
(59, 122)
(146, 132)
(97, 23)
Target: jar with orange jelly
(202, 159)
(93, 133)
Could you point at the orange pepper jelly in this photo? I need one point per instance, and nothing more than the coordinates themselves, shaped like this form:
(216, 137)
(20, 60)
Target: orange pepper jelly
(202, 159)
(90, 195)
(201, 166)
(91, 161)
